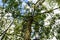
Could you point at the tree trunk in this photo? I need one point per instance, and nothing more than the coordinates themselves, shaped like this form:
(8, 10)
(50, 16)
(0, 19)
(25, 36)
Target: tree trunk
(27, 35)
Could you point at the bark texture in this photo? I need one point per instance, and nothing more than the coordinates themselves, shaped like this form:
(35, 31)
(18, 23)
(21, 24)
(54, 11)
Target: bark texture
(28, 29)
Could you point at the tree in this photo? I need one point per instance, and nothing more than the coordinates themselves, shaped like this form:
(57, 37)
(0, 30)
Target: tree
(33, 17)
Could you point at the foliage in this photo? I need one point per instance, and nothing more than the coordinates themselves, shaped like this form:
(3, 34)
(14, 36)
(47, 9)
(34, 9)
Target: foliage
(33, 17)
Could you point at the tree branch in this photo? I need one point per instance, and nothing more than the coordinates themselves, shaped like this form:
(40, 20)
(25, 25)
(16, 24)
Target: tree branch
(51, 10)
(4, 32)
(39, 2)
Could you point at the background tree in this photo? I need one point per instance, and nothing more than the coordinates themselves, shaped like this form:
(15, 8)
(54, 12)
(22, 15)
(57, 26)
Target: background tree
(32, 21)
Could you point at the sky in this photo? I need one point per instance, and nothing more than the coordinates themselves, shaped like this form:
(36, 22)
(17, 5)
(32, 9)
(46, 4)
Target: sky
(1, 3)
